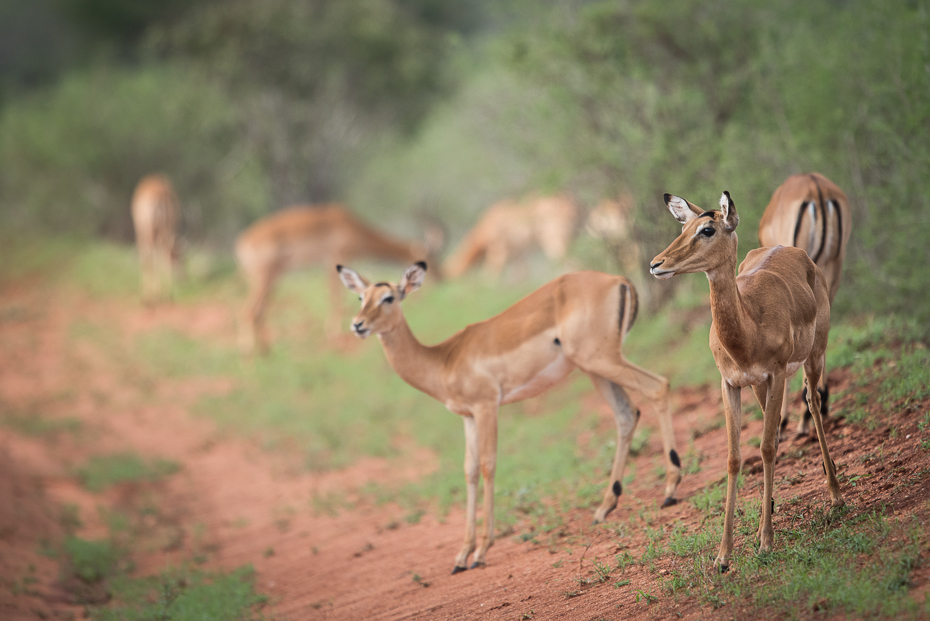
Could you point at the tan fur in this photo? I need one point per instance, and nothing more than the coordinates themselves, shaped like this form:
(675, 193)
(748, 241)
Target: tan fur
(812, 213)
(769, 320)
(301, 236)
(509, 229)
(576, 321)
(155, 218)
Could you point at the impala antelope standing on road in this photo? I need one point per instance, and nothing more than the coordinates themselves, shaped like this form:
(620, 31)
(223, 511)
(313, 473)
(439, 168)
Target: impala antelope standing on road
(154, 218)
(301, 236)
(576, 321)
(510, 228)
(812, 213)
(768, 321)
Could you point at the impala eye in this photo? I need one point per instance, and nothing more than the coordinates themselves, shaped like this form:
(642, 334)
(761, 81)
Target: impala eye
(388, 299)
(707, 231)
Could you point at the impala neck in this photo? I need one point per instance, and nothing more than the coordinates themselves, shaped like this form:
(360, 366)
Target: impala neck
(415, 363)
(731, 319)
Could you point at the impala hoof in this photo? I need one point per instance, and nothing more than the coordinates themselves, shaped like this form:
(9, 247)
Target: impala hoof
(724, 569)
(476, 565)
(668, 502)
(457, 570)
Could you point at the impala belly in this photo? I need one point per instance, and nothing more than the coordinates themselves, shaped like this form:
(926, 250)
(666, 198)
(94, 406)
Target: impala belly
(543, 380)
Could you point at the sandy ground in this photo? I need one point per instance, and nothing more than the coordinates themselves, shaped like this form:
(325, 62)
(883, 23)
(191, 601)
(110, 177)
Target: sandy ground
(233, 503)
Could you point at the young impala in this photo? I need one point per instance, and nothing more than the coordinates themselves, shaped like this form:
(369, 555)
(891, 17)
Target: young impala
(155, 217)
(300, 236)
(578, 320)
(768, 321)
(812, 213)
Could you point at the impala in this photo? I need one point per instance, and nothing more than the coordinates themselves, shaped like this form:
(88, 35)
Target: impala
(154, 217)
(768, 321)
(301, 236)
(812, 213)
(578, 320)
(510, 228)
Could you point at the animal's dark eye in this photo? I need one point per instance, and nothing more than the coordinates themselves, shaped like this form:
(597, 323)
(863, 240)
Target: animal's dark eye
(388, 299)
(708, 231)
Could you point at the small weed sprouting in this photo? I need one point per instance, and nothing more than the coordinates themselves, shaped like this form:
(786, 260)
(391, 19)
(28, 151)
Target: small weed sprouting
(621, 583)
(269, 552)
(527, 615)
(419, 580)
(648, 598)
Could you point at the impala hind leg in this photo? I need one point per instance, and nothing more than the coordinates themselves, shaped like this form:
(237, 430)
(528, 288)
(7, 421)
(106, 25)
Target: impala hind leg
(812, 373)
(626, 417)
(655, 388)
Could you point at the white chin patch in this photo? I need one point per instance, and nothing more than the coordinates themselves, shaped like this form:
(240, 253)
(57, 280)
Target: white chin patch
(663, 275)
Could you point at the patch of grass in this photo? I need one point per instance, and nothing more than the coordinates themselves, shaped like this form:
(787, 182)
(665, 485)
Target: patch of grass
(103, 471)
(827, 562)
(184, 595)
(91, 561)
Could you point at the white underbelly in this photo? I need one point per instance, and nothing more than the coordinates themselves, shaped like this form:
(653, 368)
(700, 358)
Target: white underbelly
(754, 376)
(549, 376)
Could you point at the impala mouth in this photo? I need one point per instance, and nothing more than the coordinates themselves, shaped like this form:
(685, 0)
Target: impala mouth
(360, 332)
(662, 274)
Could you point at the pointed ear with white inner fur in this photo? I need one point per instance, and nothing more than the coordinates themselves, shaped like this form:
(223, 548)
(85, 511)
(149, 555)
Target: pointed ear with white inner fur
(729, 211)
(351, 279)
(683, 211)
(413, 278)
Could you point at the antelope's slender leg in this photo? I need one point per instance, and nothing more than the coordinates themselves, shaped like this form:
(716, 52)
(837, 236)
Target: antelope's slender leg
(771, 423)
(733, 412)
(655, 388)
(812, 375)
(626, 417)
(251, 320)
(471, 498)
(485, 418)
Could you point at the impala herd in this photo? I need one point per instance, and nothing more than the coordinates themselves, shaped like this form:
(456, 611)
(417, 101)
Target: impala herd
(771, 317)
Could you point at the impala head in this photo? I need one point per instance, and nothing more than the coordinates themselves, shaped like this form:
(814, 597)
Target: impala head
(707, 238)
(380, 301)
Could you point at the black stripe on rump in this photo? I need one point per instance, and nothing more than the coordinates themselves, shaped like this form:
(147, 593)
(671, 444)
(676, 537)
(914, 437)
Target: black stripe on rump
(823, 217)
(839, 227)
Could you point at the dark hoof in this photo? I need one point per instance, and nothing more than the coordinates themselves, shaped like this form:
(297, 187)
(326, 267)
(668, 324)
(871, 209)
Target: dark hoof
(458, 570)
(476, 565)
(668, 502)
(724, 569)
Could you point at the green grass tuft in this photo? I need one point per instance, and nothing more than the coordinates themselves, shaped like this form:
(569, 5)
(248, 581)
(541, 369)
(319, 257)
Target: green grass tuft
(103, 471)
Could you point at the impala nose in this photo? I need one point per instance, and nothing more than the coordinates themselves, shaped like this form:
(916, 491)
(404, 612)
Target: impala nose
(655, 264)
(357, 326)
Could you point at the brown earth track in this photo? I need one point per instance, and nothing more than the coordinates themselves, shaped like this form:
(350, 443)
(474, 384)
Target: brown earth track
(234, 503)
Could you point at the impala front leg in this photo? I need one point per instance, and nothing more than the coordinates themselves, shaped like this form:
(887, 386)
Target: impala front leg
(471, 485)
(486, 423)
(771, 424)
(733, 412)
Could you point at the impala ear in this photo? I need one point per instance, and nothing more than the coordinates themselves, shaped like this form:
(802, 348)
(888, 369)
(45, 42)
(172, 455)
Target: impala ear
(729, 211)
(351, 279)
(413, 278)
(683, 211)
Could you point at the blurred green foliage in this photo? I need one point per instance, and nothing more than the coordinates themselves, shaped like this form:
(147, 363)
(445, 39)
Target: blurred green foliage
(412, 108)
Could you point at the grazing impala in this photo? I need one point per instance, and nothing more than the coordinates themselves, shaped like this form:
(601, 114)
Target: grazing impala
(301, 236)
(768, 321)
(510, 228)
(155, 218)
(812, 213)
(578, 320)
